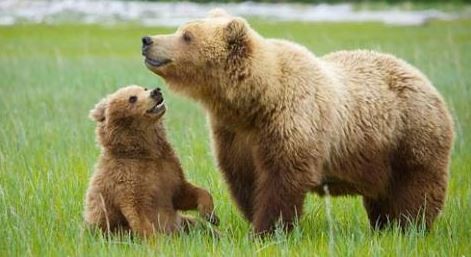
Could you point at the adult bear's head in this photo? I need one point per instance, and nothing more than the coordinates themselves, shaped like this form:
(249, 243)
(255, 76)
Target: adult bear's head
(202, 55)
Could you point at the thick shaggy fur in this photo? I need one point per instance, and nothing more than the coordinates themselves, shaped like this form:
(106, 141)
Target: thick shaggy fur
(138, 184)
(285, 122)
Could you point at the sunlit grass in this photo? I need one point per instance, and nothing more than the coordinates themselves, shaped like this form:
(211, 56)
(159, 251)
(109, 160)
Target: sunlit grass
(50, 76)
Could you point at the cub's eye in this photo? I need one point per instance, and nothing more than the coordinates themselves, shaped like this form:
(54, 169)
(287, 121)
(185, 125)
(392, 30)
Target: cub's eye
(187, 36)
(133, 99)
(145, 89)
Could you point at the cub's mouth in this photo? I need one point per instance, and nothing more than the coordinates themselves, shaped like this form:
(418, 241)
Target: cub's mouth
(159, 108)
(156, 62)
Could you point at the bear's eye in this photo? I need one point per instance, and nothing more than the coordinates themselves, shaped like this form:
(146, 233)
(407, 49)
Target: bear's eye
(145, 89)
(133, 99)
(187, 36)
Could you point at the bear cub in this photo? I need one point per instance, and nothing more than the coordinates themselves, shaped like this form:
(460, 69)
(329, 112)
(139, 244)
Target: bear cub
(138, 185)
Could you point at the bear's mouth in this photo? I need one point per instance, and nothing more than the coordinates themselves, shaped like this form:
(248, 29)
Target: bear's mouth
(158, 108)
(157, 62)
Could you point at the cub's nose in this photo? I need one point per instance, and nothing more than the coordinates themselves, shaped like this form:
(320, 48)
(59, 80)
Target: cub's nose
(146, 41)
(156, 94)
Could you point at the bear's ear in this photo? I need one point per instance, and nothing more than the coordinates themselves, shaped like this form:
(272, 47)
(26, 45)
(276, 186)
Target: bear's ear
(218, 12)
(236, 31)
(98, 112)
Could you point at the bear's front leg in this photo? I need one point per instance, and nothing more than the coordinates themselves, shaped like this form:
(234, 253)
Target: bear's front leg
(277, 203)
(190, 197)
(286, 172)
(234, 156)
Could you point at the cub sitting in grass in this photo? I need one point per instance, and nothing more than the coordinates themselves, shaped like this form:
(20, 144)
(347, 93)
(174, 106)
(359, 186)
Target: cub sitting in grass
(138, 184)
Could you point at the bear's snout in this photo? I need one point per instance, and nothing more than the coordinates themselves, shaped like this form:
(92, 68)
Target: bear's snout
(146, 43)
(156, 94)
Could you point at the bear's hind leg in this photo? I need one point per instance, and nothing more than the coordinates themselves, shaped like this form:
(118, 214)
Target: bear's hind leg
(139, 223)
(415, 195)
(103, 216)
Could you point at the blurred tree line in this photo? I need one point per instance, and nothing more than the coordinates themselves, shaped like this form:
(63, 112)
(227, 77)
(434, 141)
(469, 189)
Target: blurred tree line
(324, 1)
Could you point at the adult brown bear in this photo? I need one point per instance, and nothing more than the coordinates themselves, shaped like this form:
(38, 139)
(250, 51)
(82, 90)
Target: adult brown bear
(285, 122)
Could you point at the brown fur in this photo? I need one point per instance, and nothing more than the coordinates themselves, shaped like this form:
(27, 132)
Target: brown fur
(138, 184)
(285, 122)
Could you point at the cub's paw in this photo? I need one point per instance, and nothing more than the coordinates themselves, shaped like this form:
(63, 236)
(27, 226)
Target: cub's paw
(212, 218)
(187, 222)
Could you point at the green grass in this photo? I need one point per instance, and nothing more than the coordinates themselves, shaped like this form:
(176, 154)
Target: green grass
(51, 76)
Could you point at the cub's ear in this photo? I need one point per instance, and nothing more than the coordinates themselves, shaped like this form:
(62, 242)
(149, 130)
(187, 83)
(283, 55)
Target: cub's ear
(236, 31)
(98, 112)
(218, 12)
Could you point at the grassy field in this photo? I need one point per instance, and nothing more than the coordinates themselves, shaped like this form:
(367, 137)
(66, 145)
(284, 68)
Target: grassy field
(51, 76)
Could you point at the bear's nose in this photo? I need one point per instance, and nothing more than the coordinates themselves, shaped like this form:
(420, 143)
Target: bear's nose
(156, 94)
(146, 41)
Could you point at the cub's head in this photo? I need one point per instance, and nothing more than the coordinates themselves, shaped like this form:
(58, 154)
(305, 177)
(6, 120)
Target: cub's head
(129, 122)
(199, 51)
(130, 106)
